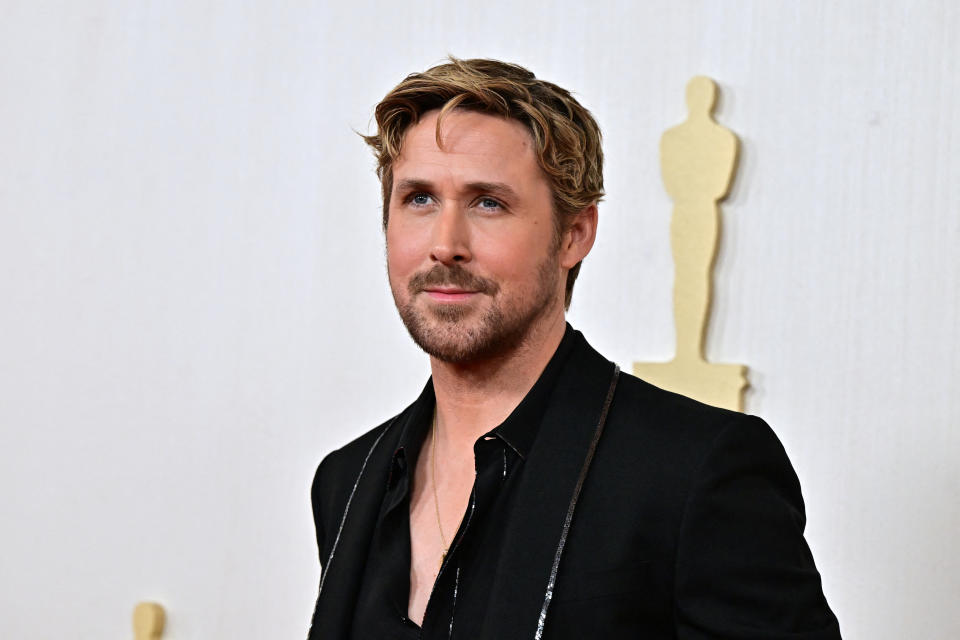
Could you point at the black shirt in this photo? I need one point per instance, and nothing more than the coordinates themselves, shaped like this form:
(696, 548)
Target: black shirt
(466, 576)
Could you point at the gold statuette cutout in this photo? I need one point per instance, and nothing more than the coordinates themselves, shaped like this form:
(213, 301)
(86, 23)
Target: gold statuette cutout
(148, 621)
(698, 159)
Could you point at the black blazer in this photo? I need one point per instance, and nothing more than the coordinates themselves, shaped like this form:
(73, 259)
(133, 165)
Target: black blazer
(689, 523)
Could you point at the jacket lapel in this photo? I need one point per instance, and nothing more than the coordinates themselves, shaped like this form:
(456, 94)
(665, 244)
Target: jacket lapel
(546, 487)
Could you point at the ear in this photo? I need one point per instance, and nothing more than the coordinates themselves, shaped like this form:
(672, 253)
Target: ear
(578, 239)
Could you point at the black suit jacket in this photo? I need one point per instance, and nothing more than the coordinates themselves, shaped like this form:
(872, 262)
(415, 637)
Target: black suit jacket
(689, 523)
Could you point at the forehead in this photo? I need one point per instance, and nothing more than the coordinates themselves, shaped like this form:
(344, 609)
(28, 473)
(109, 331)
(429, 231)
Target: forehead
(473, 146)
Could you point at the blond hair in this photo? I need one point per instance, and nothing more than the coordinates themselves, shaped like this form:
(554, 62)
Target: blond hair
(567, 140)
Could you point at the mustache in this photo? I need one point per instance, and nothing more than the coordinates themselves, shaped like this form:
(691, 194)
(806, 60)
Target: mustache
(452, 276)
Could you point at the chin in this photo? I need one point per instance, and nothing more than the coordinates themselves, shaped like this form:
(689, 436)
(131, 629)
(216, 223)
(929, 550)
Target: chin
(450, 333)
(462, 334)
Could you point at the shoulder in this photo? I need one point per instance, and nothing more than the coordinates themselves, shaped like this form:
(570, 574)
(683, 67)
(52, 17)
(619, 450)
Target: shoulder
(649, 410)
(339, 469)
(649, 429)
(685, 437)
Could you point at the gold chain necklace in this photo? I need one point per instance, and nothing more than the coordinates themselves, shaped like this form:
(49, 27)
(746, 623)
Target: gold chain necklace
(436, 497)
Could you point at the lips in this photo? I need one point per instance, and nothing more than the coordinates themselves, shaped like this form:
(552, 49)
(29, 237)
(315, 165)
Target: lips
(449, 294)
(450, 283)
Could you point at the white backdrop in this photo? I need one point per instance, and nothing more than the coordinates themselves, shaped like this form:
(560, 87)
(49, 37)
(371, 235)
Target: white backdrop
(194, 307)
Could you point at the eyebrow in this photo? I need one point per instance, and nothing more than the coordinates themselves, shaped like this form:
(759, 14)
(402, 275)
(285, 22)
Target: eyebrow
(500, 189)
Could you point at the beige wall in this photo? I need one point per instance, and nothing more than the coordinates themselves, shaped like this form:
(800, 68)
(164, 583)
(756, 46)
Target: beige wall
(194, 308)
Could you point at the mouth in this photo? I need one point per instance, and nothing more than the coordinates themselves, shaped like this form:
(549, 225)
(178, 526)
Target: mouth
(450, 285)
(449, 294)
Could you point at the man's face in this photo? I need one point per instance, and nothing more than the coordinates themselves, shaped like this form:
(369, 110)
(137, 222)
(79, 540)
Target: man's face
(472, 252)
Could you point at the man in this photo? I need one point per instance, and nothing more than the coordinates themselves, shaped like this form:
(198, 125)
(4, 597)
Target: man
(533, 490)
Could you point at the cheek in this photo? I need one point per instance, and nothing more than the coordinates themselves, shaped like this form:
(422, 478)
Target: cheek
(398, 275)
(402, 257)
(515, 256)
(402, 250)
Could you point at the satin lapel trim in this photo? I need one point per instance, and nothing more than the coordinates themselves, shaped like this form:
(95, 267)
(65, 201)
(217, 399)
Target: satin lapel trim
(552, 582)
(343, 570)
(553, 474)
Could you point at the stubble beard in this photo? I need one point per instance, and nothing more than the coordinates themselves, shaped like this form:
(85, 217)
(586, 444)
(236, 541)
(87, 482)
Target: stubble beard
(446, 332)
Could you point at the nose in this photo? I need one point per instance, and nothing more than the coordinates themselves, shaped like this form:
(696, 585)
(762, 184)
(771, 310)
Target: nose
(451, 236)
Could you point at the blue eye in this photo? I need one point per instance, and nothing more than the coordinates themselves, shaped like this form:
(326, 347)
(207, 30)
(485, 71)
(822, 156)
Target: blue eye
(420, 200)
(489, 203)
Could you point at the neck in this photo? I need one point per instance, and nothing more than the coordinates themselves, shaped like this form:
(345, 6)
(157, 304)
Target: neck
(474, 397)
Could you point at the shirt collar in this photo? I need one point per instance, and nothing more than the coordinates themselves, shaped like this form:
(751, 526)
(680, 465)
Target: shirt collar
(520, 428)
(414, 432)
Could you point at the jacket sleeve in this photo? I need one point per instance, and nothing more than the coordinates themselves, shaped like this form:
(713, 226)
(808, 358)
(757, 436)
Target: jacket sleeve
(743, 568)
(317, 490)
